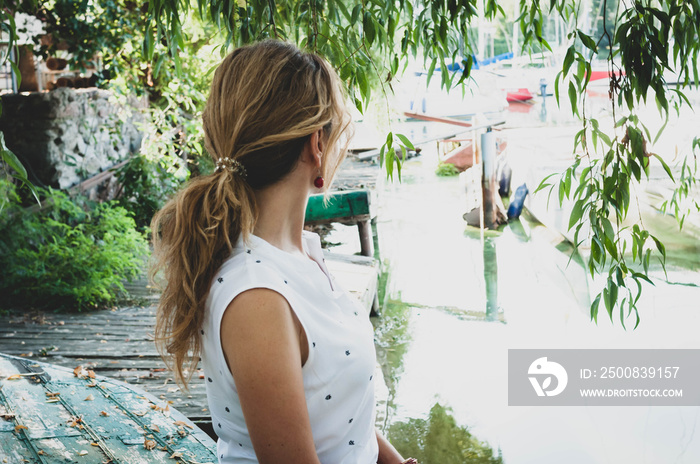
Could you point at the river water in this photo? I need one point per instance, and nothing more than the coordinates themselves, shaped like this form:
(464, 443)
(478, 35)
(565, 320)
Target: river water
(454, 304)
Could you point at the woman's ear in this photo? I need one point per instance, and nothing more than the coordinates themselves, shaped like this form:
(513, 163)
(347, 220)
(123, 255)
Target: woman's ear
(316, 145)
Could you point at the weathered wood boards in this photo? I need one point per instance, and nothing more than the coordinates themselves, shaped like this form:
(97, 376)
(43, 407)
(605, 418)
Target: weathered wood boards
(53, 414)
(119, 343)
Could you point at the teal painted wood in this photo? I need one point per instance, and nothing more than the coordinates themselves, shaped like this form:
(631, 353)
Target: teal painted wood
(50, 415)
(350, 206)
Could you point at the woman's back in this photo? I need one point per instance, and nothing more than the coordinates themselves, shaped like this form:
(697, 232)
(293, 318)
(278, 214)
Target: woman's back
(338, 373)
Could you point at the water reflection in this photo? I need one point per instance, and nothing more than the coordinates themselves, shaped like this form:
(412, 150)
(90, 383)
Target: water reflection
(491, 278)
(440, 440)
(445, 364)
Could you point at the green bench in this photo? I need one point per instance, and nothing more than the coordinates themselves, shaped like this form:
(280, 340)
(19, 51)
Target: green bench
(349, 208)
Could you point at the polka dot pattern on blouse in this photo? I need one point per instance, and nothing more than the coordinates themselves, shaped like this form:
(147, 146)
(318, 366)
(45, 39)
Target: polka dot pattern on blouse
(339, 403)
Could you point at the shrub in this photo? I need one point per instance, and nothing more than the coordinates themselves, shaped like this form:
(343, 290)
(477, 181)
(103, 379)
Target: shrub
(70, 254)
(446, 170)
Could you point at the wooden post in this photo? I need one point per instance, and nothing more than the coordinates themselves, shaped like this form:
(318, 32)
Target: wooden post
(488, 185)
(365, 238)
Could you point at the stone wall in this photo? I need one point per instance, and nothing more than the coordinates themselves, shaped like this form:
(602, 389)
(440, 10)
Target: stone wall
(69, 135)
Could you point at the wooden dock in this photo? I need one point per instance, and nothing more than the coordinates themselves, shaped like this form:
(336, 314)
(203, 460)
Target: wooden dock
(119, 343)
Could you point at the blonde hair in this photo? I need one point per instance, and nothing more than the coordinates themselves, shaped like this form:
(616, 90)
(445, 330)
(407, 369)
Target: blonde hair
(265, 101)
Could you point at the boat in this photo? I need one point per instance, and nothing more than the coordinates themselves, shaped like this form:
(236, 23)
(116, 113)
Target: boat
(518, 96)
(52, 414)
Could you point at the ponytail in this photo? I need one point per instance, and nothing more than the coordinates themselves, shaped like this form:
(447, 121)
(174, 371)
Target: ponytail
(193, 235)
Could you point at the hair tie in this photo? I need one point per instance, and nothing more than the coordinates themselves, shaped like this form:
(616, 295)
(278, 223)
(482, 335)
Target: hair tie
(232, 165)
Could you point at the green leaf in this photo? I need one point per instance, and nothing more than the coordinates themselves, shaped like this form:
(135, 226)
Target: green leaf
(431, 69)
(573, 97)
(407, 143)
(568, 60)
(17, 73)
(368, 27)
(543, 183)
(594, 308)
(363, 82)
(587, 41)
(11, 159)
(666, 168)
(576, 213)
(356, 14)
(659, 246)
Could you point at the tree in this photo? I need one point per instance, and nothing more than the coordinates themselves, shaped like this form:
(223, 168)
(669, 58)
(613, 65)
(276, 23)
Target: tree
(371, 41)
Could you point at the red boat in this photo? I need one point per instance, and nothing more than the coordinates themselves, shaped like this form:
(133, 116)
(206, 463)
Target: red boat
(520, 95)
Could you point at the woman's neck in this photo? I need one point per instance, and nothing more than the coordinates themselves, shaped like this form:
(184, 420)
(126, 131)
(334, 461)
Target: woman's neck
(281, 210)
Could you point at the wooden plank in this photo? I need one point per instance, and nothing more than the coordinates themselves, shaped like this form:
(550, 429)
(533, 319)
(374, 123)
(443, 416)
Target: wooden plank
(358, 275)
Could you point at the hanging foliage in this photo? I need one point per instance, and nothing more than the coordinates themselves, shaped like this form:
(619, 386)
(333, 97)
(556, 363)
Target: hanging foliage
(371, 41)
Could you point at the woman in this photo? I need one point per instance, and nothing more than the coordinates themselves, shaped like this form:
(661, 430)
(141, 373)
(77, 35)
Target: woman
(287, 356)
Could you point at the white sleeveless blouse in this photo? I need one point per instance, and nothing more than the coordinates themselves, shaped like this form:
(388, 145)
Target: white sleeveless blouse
(338, 374)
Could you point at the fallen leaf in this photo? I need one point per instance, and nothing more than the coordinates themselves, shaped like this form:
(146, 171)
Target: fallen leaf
(155, 428)
(176, 455)
(75, 421)
(53, 400)
(182, 432)
(149, 444)
(183, 423)
(41, 452)
(89, 398)
(91, 374)
(80, 372)
(53, 394)
(20, 427)
(104, 413)
(141, 413)
(95, 444)
(14, 377)
(82, 453)
(7, 415)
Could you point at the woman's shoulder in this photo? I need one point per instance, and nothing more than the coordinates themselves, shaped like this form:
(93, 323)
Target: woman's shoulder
(245, 267)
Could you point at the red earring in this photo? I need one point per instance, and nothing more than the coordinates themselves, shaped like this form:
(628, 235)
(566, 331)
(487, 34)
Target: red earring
(318, 182)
